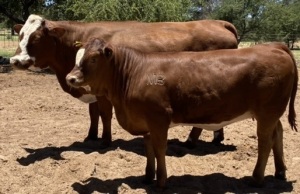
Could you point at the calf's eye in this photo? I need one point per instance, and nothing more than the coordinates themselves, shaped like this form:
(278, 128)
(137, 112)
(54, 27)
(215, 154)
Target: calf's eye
(93, 60)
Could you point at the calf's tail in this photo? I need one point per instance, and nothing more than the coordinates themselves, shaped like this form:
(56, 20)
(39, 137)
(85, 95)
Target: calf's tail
(292, 113)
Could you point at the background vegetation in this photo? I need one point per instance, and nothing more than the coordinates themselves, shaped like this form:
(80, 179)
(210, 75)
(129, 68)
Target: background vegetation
(255, 20)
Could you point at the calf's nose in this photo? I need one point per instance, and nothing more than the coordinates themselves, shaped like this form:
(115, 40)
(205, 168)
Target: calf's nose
(71, 79)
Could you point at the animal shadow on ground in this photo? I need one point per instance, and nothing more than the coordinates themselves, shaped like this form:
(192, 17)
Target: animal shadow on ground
(136, 145)
(211, 183)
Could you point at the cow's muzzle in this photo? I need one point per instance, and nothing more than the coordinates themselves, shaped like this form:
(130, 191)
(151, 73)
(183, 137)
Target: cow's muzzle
(21, 64)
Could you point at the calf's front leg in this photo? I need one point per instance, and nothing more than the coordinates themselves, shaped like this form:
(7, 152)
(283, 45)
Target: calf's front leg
(159, 142)
(150, 166)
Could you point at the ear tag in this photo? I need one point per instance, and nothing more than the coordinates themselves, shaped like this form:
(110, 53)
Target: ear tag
(77, 44)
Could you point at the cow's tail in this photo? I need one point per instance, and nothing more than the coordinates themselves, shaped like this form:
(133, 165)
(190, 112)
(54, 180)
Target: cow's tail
(229, 26)
(292, 113)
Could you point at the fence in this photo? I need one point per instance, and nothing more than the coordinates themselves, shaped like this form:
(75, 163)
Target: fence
(8, 42)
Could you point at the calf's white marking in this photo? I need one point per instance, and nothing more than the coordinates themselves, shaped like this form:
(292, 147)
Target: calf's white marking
(214, 126)
(79, 56)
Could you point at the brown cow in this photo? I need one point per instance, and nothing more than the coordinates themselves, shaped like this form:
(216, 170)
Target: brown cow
(206, 89)
(51, 44)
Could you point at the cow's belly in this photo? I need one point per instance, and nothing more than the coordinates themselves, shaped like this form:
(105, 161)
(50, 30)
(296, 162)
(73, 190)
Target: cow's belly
(88, 98)
(214, 126)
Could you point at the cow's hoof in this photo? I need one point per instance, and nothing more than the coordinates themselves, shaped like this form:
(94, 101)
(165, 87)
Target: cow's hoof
(189, 144)
(105, 144)
(91, 138)
(218, 141)
(280, 175)
(147, 181)
(255, 183)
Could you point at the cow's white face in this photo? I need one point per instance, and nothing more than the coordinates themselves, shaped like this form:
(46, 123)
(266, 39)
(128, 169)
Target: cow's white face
(32, 24)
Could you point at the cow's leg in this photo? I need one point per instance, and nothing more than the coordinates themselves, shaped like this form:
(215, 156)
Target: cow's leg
(159, 142)
(150, 166)
(105, 112)
(193, 137)
(94, 118)
(195, 134)
(218, 136)
(265, 133)
(280, 167)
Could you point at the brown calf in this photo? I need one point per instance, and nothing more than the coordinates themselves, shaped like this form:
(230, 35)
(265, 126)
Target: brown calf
(205, 89)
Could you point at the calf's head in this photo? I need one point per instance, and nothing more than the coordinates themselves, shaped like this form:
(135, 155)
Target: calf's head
(92, 66)
(37, 45)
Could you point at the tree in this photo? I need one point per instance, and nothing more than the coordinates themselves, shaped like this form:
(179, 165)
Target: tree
(142, 10)
(245, 14)
(203, 9)
(18, 11)
(282, 26)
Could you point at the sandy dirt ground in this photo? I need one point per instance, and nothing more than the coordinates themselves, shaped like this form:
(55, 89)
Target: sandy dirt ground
(42, 149)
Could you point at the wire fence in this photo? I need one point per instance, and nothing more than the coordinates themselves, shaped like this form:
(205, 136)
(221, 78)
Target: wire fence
(7, 40)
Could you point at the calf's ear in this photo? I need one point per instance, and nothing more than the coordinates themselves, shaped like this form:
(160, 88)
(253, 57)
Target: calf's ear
(17, 28)
(108, 52)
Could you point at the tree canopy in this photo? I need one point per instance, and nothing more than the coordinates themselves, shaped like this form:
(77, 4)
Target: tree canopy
(258, 20)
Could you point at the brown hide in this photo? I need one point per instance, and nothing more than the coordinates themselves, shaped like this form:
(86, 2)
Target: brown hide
(52, 45)
(211, 89)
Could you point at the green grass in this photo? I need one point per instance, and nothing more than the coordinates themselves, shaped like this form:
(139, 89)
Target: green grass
(8, 37)
(7, 52)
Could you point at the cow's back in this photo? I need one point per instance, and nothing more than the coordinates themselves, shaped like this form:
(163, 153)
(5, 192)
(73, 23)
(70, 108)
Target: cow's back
(177, 36)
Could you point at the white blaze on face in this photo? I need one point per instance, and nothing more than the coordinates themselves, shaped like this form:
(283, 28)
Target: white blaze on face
(31, 25)
(79, 56)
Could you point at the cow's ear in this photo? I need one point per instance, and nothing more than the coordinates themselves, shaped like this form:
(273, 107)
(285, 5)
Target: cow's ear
(57, 32)
(54, 30)
(108, 52)
(17, 28)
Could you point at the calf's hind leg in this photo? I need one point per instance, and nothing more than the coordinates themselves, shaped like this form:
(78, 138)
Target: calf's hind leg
(265, 134)
(280, 167)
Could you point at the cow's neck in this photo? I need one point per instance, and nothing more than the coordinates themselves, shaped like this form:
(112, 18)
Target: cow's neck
(65, 58)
